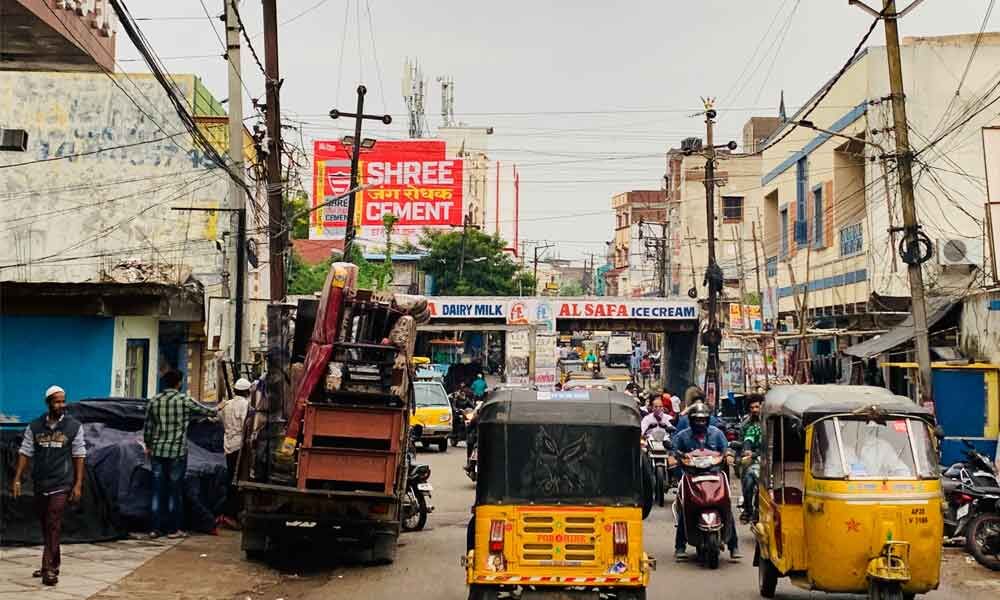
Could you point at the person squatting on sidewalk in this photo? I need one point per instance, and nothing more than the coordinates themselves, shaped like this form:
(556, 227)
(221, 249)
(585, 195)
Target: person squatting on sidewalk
(52, 443)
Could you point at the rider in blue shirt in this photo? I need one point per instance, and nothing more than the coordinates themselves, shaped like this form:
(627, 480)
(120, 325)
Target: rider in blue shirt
(701, 436)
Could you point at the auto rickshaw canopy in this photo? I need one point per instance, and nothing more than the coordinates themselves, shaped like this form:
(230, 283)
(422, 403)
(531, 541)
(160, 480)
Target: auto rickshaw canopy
(807, 403)
(577, 447)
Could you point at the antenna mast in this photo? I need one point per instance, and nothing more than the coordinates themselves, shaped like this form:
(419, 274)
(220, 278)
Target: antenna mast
(413, 93)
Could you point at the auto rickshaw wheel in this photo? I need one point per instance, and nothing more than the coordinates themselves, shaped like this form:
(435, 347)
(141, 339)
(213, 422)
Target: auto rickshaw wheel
(767, 577)
(885, 590)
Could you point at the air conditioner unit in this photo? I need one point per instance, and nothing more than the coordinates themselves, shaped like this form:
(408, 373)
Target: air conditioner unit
(960, 251)
(13, 140)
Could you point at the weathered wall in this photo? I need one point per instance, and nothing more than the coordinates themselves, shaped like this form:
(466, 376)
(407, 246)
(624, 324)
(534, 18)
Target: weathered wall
(979, 329)
(73, 219)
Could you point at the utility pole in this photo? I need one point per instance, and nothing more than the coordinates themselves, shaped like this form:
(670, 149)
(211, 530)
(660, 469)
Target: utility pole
(237, 199)
(537, 248)
(713, 275)
(760, 300)
(356, 144)
(912, 235)
(466, 221)
(277, 234)
(241, 274)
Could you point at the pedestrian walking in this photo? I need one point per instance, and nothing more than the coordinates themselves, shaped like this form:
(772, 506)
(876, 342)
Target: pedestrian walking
(646, 369)
(234, 415)
(634, 361)
(168, 415)
(51, 443)
(479, 387)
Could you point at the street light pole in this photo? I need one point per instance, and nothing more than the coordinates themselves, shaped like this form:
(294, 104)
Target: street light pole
(358, 117)
(713, 276)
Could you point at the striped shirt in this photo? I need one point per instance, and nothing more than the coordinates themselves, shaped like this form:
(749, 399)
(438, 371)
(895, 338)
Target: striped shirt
(167, 417)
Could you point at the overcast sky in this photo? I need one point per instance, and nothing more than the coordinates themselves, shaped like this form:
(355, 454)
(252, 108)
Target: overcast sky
(585, 96)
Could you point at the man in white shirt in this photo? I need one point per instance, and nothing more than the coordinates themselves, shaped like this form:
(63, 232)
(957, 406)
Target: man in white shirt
(234, 415)
(656, 418)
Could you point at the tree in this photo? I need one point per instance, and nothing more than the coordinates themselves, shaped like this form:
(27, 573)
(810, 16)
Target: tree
(487, 269)
(572, 287)
(304, 279)
(296, 209)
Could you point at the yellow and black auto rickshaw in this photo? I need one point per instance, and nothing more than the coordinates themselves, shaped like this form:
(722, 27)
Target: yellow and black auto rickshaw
(558, 507)
(849, 493)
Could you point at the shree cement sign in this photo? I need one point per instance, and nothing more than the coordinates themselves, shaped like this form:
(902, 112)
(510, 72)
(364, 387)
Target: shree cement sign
(412, 180)
(531, 310)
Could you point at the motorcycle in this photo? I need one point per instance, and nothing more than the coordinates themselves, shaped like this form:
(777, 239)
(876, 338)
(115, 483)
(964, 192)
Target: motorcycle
(746, 465)
(658, 447)
(417, 501)
(972, 507)
(472, 464)
(703, 503)
(458, 430)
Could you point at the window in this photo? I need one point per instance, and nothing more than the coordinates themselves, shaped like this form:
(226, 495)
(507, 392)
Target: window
(802, 182)
(136, 368)
(771, 265)
(818, 217)
(851, 240)
(784, 234)
(430, 394)
(732, 209)
(860, 449)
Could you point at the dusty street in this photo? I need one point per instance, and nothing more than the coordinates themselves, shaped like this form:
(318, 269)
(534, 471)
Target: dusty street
(427, 564)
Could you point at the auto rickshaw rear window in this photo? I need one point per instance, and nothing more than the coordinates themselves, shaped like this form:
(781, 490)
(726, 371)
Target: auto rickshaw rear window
(554, 463)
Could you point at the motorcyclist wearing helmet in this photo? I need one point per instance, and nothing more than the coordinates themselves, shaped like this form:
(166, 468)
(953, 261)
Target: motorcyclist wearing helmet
(701, 436)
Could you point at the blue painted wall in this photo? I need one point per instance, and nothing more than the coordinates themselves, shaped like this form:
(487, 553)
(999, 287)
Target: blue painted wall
(36, 352)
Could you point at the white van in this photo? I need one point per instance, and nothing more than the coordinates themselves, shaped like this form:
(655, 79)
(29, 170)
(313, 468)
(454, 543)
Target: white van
(619, 351)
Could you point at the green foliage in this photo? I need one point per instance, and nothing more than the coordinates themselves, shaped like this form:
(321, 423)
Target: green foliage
(371, 275)
(306, 279)
(573, 287)
(488, 271)
(296, 209)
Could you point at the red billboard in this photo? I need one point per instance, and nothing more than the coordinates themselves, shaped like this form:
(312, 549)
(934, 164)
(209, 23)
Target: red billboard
(411, 179)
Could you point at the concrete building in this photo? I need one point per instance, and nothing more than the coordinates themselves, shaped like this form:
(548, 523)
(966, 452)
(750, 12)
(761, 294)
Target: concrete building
(826, 208)
(94, 264)
(63, 35)
(471, 145)
(736, 211)
(631, 208)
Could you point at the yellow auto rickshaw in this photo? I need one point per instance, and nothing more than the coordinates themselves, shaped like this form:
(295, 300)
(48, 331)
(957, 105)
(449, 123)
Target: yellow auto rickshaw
(849, 493)
(557, 506)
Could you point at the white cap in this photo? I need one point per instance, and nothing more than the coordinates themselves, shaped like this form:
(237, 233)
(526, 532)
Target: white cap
(53, 390)
(242, 384)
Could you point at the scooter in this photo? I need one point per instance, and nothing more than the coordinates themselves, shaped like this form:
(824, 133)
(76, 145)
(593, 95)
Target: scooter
(703, 500)
(471, 441)
(972, 506)
(658, 446)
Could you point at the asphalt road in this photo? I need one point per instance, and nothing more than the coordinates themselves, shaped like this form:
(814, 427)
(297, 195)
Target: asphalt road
(427, 565)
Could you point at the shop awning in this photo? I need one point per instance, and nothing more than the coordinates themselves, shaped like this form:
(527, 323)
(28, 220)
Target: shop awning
(937, 308)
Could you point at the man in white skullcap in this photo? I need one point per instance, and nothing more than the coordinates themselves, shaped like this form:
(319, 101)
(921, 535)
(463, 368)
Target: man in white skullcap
(51, 443)
(234, 415)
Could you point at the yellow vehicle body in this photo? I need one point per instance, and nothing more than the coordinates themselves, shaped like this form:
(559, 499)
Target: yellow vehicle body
(845, 534)
(558, 546)
(841, 529)
(432, 413)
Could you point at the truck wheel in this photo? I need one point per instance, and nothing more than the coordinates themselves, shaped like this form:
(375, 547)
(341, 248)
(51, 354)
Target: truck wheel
(383, 550)
(443, 445)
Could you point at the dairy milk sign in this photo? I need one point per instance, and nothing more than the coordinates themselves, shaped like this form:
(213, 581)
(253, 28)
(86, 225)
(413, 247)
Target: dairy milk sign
(632, 309)
(467, 309)
(412, 180)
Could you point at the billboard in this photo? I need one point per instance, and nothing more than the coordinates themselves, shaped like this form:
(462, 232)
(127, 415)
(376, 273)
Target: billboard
(411, 179)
